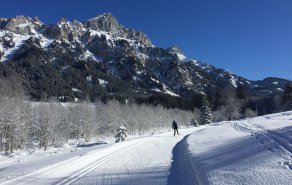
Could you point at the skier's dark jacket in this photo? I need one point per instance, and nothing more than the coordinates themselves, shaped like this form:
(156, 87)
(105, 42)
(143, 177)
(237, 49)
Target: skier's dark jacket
(174, 125)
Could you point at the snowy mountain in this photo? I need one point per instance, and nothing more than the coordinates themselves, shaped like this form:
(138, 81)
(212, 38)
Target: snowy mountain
(270, 85)
(101, 58)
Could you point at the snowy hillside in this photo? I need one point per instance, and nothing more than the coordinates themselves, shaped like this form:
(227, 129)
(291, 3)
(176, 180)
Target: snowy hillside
(251, 151)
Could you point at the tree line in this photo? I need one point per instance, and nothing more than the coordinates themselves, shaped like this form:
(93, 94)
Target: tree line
(234, 107)
(25, 124)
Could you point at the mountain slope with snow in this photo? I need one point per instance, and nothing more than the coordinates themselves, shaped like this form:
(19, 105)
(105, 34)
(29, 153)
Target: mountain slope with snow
(51, 60)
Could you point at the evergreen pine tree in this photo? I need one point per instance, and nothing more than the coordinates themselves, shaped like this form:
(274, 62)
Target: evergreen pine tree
(122, 134)
(206, 115)
(287, 97)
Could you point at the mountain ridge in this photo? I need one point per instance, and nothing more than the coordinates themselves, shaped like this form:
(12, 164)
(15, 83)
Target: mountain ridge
(81, 57)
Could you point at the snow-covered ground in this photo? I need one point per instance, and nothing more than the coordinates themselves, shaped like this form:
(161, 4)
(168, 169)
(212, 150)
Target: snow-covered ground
(250, 151)
(139, 160)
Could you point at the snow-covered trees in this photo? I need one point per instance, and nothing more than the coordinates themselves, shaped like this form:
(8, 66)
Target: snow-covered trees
(232, 106)
(206, 114)
(44, 123)
(86, 119)
(7, 123)
(249, 113)
(13, 123)
(196, 117)
(25, 124)
(122, 134)
(220, 114)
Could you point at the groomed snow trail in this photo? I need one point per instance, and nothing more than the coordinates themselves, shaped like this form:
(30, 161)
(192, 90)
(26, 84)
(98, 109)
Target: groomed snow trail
(274, 141)
(149, 163)
(250, 151)
(140, 161)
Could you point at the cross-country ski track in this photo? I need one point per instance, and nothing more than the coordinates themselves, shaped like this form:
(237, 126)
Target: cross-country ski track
(145, 160)
(249, 151)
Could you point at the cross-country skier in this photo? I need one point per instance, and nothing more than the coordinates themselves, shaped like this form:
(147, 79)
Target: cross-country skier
(175, 127)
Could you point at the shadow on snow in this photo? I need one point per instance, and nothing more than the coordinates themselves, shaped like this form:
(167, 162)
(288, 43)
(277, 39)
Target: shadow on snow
(181, 172)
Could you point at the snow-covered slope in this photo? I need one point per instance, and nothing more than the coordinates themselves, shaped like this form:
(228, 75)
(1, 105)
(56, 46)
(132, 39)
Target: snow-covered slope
(251, 151)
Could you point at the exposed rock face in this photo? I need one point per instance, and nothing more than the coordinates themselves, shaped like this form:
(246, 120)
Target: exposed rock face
(108, 23)
(80, 55)
(105, 22)
(21, 24)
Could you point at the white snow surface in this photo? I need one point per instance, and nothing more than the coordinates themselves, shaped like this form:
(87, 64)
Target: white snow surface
(250, 151)
(181, 56)
(275, 83)
(99, 33)
(24, 25)
(88, 55)
(167, 90)
(19, 40)
(143, 160)
(233, 81)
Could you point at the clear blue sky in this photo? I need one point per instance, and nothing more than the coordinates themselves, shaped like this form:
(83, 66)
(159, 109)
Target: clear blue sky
(252, 38)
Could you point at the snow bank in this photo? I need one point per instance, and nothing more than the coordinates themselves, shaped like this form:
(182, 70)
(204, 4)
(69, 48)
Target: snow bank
(251, 151)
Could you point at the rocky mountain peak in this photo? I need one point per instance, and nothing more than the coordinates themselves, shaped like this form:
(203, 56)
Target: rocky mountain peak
(109, 24)
(177, 51)
(105, 22)
(19, 19)
(21, 24)
(108, 17)
(174, 49)
(62, 21)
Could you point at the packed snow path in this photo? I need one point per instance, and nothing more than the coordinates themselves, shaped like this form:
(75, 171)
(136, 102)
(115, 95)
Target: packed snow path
(146, 160)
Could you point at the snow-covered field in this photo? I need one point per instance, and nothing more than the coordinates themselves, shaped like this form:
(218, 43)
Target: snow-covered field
(250, 151)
